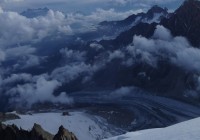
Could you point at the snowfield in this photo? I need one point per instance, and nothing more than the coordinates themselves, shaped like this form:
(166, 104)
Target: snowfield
(84, 126)
(188, 130)
(88, 127)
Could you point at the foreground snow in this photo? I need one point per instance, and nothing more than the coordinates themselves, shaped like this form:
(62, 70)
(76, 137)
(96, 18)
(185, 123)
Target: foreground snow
(84, 126)
(189, 130)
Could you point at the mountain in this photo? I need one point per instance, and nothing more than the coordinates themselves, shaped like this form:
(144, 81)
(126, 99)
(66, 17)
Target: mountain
(152, 15)
(12, 132)
(31, 13)
(141, 24)
(146, 75)
(126, 37)
(185, 21)
(187, 130)
(114, 28)
(64, 134)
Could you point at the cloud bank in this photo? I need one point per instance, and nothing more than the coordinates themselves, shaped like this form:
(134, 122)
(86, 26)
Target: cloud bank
(37, 89)
(163, 46)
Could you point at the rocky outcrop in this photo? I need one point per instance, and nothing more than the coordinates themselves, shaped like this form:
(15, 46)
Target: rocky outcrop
(64, 134)
(12, 132)
(40, 133)
(8, 116)
(185, 21)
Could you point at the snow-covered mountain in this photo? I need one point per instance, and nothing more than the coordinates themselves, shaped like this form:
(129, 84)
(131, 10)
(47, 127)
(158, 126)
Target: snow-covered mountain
(83, 125)
(111, 29)
(148, 74)
(188, 130)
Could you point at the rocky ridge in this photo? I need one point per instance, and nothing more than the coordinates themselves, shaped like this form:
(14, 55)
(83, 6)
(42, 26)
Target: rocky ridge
(12, 132)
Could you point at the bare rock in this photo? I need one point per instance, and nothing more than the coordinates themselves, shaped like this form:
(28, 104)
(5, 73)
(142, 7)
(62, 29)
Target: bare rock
(64, 134)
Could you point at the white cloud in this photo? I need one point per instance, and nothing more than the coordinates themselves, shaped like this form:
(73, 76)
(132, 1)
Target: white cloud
(19, 51)
(2, 56)
(162, 33)
(72, 56)
(96, 46)
(16, 29)
(1, 10)
(30, 61)
(70, 72)
(16, 78)
(121, 92)
(39, 91)
(189, 58)
(117, 54)
(176, 50)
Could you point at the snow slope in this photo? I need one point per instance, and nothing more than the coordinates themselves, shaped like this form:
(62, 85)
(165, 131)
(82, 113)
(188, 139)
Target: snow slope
(84, 126)
(188, 130)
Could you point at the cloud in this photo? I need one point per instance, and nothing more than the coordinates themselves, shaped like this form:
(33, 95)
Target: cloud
(89, 3)
(16, 29)
(121, 92)
(70, 72)
(2, 56)
(111, 14)
(19, 51)
(72, 56)
(7, 1)
(162, 33)
(80, 22)
(13, 78)
(117, 54)
(162, 46)
(189, 58)
(39, 91)
(96, 46)
(30, 61)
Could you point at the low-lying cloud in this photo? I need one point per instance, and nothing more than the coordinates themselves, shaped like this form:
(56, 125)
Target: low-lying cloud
(39, 90)
(163, 46)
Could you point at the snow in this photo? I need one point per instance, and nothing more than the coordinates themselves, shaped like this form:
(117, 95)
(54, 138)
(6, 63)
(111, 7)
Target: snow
(156, 18)
(188, 130)
(84, 126)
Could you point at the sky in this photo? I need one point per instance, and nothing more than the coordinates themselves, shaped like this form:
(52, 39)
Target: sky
(87, 6)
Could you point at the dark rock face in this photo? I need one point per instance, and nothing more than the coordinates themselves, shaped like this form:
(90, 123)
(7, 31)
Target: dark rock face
(65, 113)
(114, 28)
(38, 132)
(125, 38)
(8, 116)
(156, 10)
(12, 132)
(185, 21)
(64, 134)
(132, 18)
(167, 79)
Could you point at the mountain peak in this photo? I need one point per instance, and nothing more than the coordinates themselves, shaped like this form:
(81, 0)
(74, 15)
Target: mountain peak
(156, 10)
(188, 5)
(64, 134)
(186, 21)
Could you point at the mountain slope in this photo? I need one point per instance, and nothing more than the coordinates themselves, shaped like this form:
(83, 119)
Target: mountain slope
(111, 29)
(188, 130)
(125, 38)
(185, 21)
